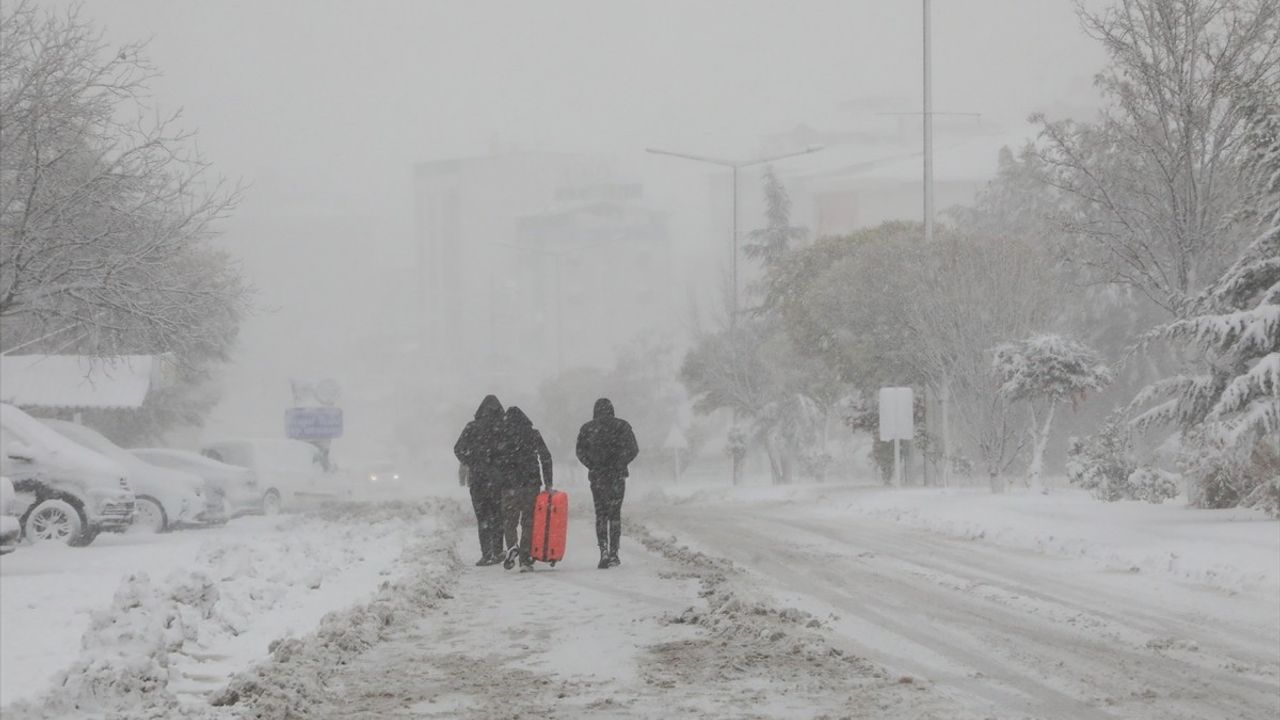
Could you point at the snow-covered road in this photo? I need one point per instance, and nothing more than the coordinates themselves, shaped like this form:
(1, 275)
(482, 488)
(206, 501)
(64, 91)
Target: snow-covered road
(1004, 632)
(729, 604)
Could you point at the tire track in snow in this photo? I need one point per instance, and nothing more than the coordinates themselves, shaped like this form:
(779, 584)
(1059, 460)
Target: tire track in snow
(1010, 648)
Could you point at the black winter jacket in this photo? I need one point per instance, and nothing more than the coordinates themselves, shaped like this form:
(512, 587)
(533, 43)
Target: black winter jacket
(606, 445)
(521, 450)
(477, 447)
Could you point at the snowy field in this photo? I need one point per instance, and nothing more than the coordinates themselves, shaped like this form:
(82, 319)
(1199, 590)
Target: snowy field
(915, 603)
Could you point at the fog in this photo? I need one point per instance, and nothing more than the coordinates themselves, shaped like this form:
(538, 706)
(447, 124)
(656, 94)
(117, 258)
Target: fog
(655, 359)
(324, 109)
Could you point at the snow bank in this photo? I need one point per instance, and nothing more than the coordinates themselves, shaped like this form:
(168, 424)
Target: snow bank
(291, 683)
(160, 646)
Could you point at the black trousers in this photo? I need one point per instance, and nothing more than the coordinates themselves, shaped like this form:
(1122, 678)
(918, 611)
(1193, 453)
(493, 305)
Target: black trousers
(607, 495)
(486, 500)
(517, 510)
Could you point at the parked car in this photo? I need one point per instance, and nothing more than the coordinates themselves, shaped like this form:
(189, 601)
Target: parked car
(238, 485)
(291, 473)
(64, 492)
(10, 524)
(165, 498)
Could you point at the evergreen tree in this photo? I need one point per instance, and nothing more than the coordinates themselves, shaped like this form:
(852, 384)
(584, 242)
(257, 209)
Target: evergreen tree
(1229, 411)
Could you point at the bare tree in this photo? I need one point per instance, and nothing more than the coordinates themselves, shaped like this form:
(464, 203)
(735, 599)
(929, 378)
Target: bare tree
(106, 208)
(1155, 180)
(961, 297)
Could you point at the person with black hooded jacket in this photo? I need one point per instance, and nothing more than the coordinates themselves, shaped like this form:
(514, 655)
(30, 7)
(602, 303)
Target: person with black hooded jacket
(606, 445)
(526, 468)
(477, 450)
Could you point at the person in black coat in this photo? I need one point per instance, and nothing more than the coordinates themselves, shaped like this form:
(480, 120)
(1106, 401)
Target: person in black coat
(606, 445)
(526, 468)
(477, 450)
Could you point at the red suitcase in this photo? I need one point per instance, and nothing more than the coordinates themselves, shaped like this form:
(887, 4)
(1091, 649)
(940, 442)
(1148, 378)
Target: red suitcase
(550, 526)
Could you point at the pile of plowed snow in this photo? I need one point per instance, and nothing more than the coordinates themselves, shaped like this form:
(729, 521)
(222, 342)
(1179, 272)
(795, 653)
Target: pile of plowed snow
(163, 646)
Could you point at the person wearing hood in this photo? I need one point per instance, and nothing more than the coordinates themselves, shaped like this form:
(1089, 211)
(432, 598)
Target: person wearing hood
(477, 451)
(526, 468)
(606, 445)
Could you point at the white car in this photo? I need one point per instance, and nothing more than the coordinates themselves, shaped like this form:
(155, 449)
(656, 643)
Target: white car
(165, 498)
(239, 486)
(291, 473)
(64, 492)
(10, 524)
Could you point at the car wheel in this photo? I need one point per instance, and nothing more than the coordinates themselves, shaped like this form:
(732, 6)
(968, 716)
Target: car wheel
(148, 516)
(53, 520)
(86, 537)
(271, 503)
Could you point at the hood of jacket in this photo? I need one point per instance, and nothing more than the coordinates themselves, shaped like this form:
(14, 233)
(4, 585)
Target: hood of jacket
(490, 409)
(516, 417)
(604, 409)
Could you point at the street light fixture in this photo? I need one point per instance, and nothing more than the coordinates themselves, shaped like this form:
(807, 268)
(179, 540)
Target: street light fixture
(735, 166)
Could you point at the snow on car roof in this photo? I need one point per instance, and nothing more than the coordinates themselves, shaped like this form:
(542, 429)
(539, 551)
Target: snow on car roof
(47, 440)
(186, 456)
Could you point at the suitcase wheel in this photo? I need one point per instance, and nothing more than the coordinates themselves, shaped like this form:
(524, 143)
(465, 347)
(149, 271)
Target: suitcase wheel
(553, 563)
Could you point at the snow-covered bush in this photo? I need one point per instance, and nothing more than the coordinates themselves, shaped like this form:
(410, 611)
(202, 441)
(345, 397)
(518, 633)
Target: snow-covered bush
(1225, 479)
(1103, 463)
(1152, 485)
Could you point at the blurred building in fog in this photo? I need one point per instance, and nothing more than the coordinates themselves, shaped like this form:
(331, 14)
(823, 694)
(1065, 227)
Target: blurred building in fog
(533, 262)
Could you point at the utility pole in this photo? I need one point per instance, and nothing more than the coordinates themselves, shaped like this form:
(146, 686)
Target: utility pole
(928, 125)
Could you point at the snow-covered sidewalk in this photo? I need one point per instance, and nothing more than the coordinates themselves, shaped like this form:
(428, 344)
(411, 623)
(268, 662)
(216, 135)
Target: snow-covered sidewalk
(133, 620)
(670, 633)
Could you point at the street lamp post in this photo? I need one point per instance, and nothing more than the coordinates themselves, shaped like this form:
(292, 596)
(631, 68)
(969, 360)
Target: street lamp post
(734, 166)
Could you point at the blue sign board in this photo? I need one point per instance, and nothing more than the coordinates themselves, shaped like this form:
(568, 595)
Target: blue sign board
(313, 423)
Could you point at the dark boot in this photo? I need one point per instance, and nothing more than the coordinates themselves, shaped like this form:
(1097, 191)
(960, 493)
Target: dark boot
(613, 559)
(604, 560)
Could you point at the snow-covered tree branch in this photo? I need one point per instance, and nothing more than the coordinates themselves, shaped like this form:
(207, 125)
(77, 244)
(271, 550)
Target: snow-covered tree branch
(106, 208)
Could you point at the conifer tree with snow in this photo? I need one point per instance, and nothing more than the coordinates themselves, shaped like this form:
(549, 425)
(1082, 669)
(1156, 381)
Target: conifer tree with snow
(1228, 409)
(1044, 371)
